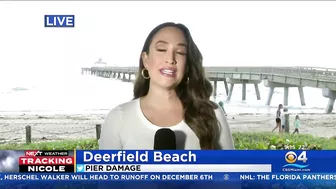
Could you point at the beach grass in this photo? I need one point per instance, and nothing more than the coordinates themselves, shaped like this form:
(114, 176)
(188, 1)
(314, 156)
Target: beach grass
(243, 141)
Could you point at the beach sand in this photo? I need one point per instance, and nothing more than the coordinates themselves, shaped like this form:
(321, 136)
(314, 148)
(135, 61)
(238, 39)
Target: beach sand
(62, 127)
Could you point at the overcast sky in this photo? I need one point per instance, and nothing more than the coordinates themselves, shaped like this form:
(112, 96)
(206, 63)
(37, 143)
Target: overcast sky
(278, 33)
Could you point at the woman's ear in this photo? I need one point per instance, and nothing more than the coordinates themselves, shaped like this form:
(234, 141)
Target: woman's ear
(144, 57)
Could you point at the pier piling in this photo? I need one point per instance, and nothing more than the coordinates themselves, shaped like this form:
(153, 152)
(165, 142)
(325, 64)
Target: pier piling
(244, 91)
(256, 87)
(285, 100)
(270, 95)
(332, 96)
(303, 102)
(280, 77)
(230, 91)
(226, 86)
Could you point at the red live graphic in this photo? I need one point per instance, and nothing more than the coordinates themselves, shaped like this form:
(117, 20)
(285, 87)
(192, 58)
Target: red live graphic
(49, 160)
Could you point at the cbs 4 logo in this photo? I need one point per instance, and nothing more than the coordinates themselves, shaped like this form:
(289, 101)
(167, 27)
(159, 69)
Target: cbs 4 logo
(292, 157)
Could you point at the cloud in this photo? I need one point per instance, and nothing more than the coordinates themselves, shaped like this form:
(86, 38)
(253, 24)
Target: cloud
(9, 161)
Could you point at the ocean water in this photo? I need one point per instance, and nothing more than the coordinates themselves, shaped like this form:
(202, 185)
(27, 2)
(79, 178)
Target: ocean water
(315, 102)
(85, 94)
(63, 94)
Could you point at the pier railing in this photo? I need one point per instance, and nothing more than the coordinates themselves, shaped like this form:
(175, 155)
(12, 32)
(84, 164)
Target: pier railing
(326, 74)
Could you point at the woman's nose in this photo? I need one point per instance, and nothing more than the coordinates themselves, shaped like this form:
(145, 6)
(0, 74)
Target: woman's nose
(173, 62)
(170, 59)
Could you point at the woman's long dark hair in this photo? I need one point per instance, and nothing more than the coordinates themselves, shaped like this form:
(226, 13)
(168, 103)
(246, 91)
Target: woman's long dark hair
(194, 91)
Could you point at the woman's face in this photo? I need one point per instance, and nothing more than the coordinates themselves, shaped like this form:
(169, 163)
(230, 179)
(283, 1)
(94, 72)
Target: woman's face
(167, 56)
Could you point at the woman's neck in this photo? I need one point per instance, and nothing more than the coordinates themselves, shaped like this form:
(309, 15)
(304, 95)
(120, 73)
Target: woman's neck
(161, 98)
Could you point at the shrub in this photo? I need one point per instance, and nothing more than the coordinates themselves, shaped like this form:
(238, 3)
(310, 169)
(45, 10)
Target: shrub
(243, 141)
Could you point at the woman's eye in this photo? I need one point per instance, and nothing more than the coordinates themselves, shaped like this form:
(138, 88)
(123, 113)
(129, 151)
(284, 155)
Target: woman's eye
(181, 53)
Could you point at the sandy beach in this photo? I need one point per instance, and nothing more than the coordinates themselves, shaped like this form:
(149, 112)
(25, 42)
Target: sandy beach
(62, 127)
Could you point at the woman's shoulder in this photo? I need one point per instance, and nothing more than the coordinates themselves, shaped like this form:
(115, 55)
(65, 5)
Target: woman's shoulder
(124, 108)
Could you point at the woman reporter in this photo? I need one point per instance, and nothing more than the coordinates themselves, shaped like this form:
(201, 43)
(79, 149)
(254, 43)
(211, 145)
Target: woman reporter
(170, 91)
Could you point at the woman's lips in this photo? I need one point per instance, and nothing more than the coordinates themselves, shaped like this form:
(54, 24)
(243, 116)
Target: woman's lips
(168, 72)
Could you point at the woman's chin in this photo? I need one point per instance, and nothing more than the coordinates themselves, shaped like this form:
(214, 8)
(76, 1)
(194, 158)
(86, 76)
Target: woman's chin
(167, 84)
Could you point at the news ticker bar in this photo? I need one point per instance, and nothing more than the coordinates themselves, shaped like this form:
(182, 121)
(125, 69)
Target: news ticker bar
(187, 176)
(181, 161)
(181, 168)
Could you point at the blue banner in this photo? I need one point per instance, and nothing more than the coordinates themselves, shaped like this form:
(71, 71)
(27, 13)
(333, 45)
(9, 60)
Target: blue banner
(175, 169)
(279, 161)
(173, 180)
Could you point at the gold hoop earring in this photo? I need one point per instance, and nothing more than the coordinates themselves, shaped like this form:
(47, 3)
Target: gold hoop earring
(143, 74)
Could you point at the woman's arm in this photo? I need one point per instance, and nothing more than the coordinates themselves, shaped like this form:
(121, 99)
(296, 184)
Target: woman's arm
(109, 137)
(225, 138)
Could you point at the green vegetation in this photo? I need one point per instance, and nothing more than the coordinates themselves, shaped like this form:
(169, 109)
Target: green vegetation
(276, 141)
(250, 141)
(85, 144)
